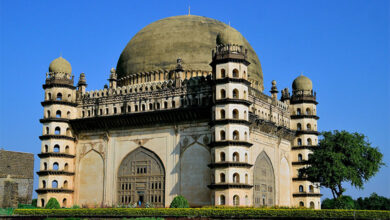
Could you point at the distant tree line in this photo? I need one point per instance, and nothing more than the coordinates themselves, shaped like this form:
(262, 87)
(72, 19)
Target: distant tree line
(374, 202)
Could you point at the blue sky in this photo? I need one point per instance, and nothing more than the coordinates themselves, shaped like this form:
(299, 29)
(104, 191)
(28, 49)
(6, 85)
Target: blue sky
(343, 46)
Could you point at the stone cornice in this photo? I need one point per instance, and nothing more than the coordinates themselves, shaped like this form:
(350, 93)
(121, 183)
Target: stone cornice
(51, 102)
(54, 172)
(232, 80)
(232, 101)
(51, 190)
(144, 119)
(58, 85)
(230, 143)
(271, 128)
(307, 132)
(55, 136)
(229, 121)
(229, 164)
(229, 186)
(306, 147)
(304, 116)
(307, 194)
(303, 162)
(46, 120)
(53, 154)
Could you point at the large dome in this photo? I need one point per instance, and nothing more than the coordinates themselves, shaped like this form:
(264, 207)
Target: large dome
(192, 38)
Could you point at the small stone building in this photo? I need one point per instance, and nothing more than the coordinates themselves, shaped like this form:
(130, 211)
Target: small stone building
(16, 178)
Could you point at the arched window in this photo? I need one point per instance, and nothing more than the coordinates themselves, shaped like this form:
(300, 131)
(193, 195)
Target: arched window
(301, 204)
(67, 149)
(48, 113)
(223, 73)
(244, 94)
(236, 200)
(246, 157)
(222, 200)
(56, 148)
(150, 106)
(223, 94)
(158, 105)
(68, 133)
(165, 104)
(246, 135)
(222, 177)
(66, 167)
(49, 96)
(311, 188)
(42, 203)
(299, 126)
(57, 131)
(235, 114)
(136, 108)
(235, 94)
(115, 110)
(299, 142)
(299, 157)
(55, 166)
(173, 104)
(128, 108)
(58, 114)
(246, 178)
(222, 156)
(64, 203)
(47, 130)
(244, 75)
(236, 157)
(59, 96)
(236, 178)
(43, 184)
(222, 135)
(312, 205)
(245, 116)
(236, 135)
(107, 111)
(235, 73)
(222, 112)
(309, 142)
(44, 166)
(54, 184)
(298, 111)
(68, 113)
(300, 188)
(46, 148)
(308, 111)
(65, 184)
(308, 126)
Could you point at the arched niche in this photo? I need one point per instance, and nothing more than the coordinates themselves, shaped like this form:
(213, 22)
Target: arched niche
(285, 183)
(141, 178)
(91, 179)
(263, 182)
(195, 175)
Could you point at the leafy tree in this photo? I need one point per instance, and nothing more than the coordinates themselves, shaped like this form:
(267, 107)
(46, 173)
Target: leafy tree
(342, 157)
(52, 204)
(374, 202)
(343, 202)
(179, 202)
(34, 202)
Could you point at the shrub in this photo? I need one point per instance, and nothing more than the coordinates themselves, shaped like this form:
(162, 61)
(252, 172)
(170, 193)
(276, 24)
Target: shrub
(179, 202)
(34, 202)
(344, 202)
(52, 204)
(75, 207)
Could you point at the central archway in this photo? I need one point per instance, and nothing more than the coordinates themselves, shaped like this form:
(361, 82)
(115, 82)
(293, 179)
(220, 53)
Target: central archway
(141, 178)
(264, 182)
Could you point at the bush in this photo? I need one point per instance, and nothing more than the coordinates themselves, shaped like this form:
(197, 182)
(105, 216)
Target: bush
(344, 202)
(52, 204)
(239, 213)
(179, 202)
(75, 207)
(34, 202)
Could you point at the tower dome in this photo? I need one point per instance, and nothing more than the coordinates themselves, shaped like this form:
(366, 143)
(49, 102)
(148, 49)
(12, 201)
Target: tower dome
(302, 83)
(192, 38)
(60, 65)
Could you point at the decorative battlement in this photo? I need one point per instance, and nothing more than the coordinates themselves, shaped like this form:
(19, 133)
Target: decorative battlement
(304, 96)
(229, 51)
(59, 78)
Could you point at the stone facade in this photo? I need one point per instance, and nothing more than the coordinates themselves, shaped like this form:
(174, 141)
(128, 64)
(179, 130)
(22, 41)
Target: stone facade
(212, 137)
(16, 178)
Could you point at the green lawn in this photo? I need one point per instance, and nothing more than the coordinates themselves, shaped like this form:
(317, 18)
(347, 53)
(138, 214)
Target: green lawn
(6, 211)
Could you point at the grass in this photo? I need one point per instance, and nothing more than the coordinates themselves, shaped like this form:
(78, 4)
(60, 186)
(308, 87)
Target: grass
(6, 211)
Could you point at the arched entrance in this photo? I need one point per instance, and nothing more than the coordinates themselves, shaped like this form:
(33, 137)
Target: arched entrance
(264, 182)
(141, 178)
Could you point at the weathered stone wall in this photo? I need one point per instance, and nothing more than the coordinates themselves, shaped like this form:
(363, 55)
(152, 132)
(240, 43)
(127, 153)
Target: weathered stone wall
(16, 178)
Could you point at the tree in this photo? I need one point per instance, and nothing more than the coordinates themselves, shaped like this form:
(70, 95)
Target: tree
(343, 202)
(342, 157)
(374, 202)
(179, 202)
(52, 204)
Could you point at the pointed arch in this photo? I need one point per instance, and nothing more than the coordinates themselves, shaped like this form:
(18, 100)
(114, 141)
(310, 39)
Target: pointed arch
(263, 181)
(141, 178)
